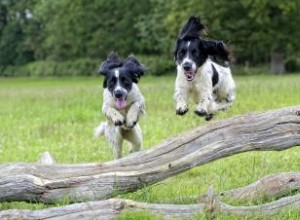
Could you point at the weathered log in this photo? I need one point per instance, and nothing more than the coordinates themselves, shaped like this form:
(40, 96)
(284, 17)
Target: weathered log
(271, 130)
(108, 209)
(276, 185)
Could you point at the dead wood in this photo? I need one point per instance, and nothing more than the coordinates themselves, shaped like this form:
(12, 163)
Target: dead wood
(109, 209)
(272, 130)
(272, 186)
(275, 185)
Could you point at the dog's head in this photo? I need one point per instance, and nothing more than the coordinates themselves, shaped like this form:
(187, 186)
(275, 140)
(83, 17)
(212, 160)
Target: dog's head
(120, 76)
(191, 50)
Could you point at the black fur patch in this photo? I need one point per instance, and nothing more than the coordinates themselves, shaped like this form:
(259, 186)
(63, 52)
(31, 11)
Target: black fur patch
(133, 68)
(194, 51)
(215, 76)
(130, 70)
(193, 31)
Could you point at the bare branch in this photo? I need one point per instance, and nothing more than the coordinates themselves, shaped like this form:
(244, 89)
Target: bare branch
(109, 209)
(276, 185)
(272, 130)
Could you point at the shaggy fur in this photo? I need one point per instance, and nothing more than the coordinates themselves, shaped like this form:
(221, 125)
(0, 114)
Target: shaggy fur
(203, 72)
(123, 103)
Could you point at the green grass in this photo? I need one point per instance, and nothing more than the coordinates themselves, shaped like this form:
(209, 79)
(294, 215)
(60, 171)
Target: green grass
(59, 115)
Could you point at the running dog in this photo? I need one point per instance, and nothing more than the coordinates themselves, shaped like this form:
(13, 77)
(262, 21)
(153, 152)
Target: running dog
(123, 103)
(203, 72)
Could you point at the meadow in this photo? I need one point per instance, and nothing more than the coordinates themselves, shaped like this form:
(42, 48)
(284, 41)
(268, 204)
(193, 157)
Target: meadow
(59, 114)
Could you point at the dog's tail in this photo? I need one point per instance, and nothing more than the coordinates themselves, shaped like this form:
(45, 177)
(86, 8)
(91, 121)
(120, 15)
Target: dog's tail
(100, 130)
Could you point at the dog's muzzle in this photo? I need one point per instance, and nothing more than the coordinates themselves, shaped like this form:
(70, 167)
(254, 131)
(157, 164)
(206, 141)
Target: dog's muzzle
(188, 71)
(120, 98)
(190, 76)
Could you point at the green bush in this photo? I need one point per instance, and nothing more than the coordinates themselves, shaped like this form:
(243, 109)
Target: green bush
(292, 64)
(79, 67)
(157, 65)
(246, 70)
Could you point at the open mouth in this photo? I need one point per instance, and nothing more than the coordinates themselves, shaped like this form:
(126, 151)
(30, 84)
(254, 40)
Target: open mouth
(190, 75)
(121, 103)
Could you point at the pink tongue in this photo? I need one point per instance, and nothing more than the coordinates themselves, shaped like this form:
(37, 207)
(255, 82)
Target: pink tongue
(121, 103)
(189, 75)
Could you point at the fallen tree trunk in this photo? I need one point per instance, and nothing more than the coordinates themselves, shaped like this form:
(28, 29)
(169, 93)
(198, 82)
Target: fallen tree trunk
(276, 185)
(109, 209)
(271, 130)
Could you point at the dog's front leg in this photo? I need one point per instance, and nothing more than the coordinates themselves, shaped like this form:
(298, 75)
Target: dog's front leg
(204, 91)
(135, 111)
(181, 99)
(113, 115)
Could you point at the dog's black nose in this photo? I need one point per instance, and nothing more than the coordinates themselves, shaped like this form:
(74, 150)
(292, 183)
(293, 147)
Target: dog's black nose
(187, 67)
(118, 94)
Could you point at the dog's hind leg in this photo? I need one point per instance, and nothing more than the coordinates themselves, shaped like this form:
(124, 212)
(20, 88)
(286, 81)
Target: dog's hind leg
(222, 98)
(115, 139)
(100, 130)
(216, 106)
(134, 136)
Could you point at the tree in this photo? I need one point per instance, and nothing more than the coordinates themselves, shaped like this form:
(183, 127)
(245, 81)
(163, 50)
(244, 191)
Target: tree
(259, 30)
(16, 31)
(74, 29)
(152, 34)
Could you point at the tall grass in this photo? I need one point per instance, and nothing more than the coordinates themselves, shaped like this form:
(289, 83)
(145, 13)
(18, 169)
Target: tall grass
(59, 115)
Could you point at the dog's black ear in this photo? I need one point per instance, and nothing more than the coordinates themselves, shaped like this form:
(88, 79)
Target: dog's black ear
(192, 29)
(134, 67)
(216, 48)
(110, 63)
(176, 48)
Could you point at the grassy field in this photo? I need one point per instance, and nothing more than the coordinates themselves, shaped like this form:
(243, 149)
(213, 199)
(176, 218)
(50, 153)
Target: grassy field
(59, 115)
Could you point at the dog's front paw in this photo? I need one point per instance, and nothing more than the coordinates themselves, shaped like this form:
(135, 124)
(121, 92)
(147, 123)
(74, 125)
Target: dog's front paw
(208, 117)
(201, 112)
(131, 123)
(118, 121)
(181, 110)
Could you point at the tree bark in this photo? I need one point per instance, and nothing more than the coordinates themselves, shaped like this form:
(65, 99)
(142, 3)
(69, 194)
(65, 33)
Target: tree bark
(276, 185)
(272, 130)
(277, 62)
(109, 209)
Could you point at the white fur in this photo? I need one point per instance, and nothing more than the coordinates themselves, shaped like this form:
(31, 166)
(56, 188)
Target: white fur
(130, 115)
(208, 98)
(119, 87)
(188, 59)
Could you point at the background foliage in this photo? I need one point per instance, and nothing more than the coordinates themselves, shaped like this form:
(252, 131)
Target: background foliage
(58, 32)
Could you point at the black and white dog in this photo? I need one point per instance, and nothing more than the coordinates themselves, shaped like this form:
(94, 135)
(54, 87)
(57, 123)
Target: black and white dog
(123, 103)
(199, 75)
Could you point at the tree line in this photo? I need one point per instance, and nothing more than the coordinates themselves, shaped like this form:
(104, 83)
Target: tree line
(39, 34)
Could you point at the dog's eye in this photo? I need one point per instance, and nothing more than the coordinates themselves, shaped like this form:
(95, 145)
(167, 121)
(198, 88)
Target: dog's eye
(112, 82)
(182, 52)
(125, 81)
(195, 52)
